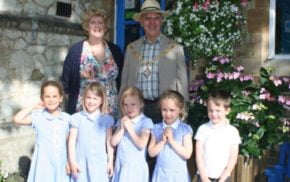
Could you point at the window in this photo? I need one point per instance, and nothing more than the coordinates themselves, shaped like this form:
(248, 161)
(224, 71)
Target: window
(279, 29)
(129, 30)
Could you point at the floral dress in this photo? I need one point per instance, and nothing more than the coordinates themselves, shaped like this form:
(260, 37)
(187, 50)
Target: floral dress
(104, 72)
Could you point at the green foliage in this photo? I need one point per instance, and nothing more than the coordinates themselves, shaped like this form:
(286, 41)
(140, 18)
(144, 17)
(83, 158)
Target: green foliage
(257, 109)
(206, 28)
(3, 175)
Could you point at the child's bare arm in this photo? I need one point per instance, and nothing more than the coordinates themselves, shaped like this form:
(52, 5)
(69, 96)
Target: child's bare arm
(110, 152)
(117, 136)
(155, 147)
(22, 117)
(140, 140)
(231, 163)
(200, 161)
(72, 153)
(184, 150)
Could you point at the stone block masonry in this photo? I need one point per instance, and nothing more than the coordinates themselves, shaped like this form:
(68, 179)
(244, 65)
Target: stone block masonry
(34, 43)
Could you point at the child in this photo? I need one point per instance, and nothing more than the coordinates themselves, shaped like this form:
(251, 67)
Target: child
(132, 136)
(217, 142)
(90, 151)
(51, 124)
(171, 140)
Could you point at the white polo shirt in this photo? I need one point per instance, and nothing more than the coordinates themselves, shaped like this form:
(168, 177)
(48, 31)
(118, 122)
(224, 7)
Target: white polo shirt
(217, 142)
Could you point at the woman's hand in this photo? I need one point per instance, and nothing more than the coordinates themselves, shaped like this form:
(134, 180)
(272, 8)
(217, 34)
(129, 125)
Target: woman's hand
(89, 74)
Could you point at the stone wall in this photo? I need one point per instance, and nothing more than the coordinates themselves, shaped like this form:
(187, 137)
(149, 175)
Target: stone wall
(33, 43)
(253, 52)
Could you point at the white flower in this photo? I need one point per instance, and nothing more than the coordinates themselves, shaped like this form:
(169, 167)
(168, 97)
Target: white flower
(181, 20)
(205, 33)
(179, 6)
(259, 107)
(245, 116)
(234, 8)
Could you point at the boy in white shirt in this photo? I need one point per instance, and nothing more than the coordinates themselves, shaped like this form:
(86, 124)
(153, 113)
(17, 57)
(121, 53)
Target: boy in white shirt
(217, 141)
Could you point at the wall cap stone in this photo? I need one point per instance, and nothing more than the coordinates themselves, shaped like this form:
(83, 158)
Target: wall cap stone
(40, 23)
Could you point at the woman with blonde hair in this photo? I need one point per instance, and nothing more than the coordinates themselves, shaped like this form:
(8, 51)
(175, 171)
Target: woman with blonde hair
(93, 59)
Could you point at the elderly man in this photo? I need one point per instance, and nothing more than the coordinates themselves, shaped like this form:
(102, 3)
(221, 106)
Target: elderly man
(154, 63)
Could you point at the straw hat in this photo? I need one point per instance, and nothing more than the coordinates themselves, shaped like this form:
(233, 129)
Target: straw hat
(150, 6)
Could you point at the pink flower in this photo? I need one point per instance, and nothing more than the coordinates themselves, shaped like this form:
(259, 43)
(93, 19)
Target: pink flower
(240, 68)
(286, 79)
(236, 75)
(210, 75)
(224, 60)
(205, 5)
(263, 90)
(195, 6)
(226, 76)
(231, 76)
(281, 99)
(265, 95)
(247, 78)
(277, 82)
(262, 96)
(216, 58)
(219, 77)
(244, 3)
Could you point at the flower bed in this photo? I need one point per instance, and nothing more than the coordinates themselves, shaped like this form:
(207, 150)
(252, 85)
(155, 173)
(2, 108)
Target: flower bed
(210, 29)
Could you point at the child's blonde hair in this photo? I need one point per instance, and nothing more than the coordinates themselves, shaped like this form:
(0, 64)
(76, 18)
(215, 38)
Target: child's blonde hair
(131, 91)
(220, 98)
(179, 101)
(98, 89)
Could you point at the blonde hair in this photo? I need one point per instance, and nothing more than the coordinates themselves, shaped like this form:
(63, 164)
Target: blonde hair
(179, 101)
(131, 91)
(220, 98)
(94, 12)
(98, 89)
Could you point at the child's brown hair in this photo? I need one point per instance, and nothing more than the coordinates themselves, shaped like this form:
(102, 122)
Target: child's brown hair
(52, 83)
(220, 98)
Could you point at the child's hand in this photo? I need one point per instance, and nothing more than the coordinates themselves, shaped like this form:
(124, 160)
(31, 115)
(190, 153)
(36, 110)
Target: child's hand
(222, 178)
(39, 105)
(164, 138)
(205, 179)
(169, 134)
(110, 169)
(127, 123)
(75, 170)
(67, 168)
(123, 121)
